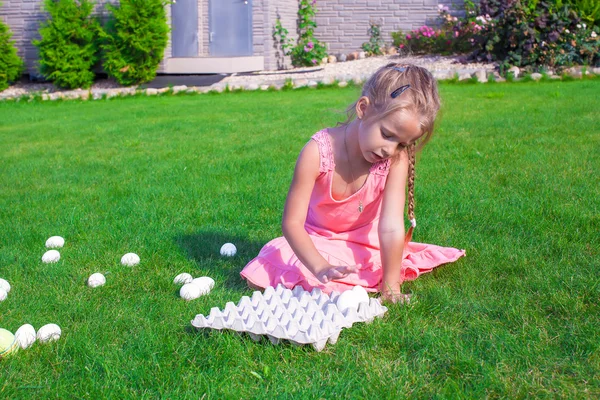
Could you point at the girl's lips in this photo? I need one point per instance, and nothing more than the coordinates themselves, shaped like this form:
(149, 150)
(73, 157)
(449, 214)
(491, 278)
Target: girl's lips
(377, 158)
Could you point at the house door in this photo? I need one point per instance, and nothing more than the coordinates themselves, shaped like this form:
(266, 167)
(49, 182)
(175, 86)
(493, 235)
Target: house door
(230, 28)
(184, 28)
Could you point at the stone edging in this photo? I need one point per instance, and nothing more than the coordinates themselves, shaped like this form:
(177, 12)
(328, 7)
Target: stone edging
(480, 75)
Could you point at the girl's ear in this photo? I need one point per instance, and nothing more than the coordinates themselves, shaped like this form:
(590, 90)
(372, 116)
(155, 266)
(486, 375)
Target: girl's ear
(361, 107)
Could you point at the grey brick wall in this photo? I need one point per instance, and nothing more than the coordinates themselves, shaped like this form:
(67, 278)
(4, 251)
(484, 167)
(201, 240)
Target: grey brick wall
(343, 24)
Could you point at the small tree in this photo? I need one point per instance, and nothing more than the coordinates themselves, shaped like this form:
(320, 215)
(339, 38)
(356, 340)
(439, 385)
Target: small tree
(11, 64)
(134, 40)
(69, 43)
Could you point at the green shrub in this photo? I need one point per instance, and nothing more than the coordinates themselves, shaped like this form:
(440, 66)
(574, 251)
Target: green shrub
(588, 10)
(527, 33)
(134, 40)
(308, 50)
(11, 64)
(552, 34)
(375, 44)
(68, 48)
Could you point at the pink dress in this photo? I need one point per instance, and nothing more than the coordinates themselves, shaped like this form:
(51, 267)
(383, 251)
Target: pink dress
(343, 236)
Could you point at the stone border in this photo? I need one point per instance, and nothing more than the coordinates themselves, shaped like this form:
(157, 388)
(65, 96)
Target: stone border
(476, 76)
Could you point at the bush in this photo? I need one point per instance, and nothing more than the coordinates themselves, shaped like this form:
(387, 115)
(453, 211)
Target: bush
(454, 35)
(11, 64)
(526, 33)
(308, 50)
(68, 48)
(134, 40)
(588, 10)
(536, 34)
(375, 44)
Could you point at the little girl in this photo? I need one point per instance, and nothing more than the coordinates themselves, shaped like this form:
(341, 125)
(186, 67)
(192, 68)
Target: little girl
(343, 222)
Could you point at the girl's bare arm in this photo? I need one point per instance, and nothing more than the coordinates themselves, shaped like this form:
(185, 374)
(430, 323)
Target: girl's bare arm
(294, 217)
(391, 226)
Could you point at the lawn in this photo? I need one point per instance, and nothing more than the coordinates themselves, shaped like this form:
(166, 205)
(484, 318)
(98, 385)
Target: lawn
(512, 176)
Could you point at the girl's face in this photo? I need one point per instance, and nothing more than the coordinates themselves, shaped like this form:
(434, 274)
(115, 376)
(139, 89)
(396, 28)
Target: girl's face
(382, 138)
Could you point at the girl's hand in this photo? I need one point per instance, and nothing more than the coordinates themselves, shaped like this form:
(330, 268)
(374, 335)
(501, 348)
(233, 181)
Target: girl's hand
(332, 272)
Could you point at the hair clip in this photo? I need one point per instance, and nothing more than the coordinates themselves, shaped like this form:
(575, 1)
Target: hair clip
(399, 69)
(399, 91)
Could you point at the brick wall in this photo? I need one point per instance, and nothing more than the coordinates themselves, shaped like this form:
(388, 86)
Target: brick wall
(343, 24)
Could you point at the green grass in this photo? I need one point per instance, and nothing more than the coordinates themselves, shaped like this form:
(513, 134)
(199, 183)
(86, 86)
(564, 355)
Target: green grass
(512, 176)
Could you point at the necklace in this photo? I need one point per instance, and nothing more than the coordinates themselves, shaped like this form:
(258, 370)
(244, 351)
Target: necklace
(360, 203)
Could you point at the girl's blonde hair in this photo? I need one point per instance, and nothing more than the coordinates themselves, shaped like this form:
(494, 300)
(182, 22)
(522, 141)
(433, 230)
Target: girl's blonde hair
(421, 99)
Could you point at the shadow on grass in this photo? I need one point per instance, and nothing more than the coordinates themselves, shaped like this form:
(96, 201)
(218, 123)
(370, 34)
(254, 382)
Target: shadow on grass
(204, 248)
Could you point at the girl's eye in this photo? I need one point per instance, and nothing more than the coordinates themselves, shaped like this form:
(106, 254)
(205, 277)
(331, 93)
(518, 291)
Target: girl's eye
(384, 135)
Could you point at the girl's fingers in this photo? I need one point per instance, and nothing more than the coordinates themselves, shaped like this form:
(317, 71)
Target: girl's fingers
(347, 269)
(335, 273)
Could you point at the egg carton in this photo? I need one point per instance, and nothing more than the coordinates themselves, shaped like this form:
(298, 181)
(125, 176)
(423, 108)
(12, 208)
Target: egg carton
(297, 316)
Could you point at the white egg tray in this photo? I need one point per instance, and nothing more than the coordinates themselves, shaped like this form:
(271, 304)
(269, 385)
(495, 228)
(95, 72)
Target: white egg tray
(297, 316)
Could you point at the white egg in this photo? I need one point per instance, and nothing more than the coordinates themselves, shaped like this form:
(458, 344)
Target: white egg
(183, 279)
(3, 294)
(96, 280)
(204, 288)
(346, 300)
(4, 285)
(54, 242)
(48, 333)
(228, 250)
(204, 281)
(189, 291)
(25, 335)
(51, 256)
(130, 259)
(361, 294)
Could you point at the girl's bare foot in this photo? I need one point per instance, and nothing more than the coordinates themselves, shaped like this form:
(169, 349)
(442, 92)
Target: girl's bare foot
(391, 293)
(395, 297)
(253, 286)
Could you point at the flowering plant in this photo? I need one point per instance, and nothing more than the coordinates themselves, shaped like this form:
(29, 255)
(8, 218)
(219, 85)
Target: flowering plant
(308, 50)
(455, 35)
(536, 35)
(580, 46)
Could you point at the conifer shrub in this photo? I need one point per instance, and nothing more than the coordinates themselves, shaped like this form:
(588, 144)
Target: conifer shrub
(11, 64)
(134, 40)
(68, 48)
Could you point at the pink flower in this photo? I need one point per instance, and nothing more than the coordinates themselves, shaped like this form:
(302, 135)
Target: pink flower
(401, 46)
(455, 33)
(408, 37)
(313, 2)
(314, 61)
(310, 45)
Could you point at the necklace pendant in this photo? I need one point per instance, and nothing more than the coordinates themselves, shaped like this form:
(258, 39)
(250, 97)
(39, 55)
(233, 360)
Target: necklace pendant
(360, 206)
